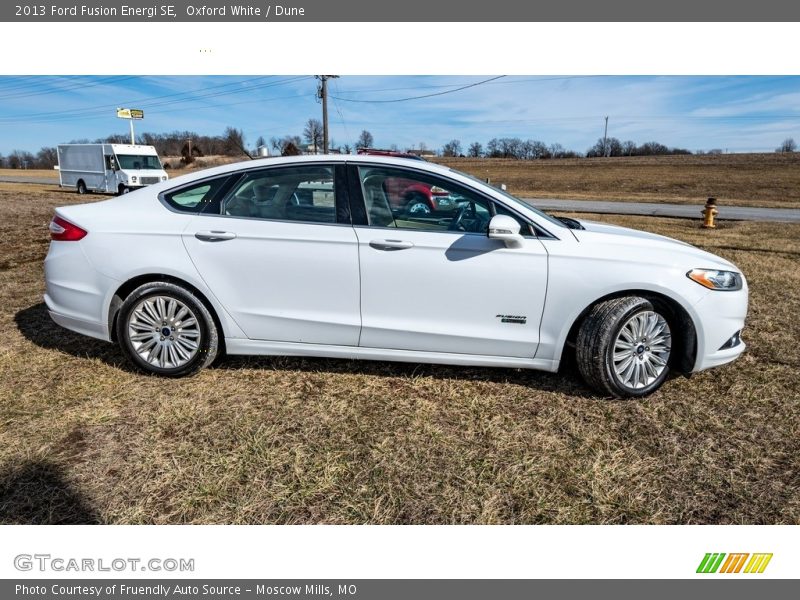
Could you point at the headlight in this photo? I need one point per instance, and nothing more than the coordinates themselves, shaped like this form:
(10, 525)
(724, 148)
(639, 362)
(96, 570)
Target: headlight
(714, 279)
(133, 179)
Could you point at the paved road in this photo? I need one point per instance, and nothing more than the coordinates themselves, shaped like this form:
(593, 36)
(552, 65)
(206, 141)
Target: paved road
(24, 179)
(736, 213)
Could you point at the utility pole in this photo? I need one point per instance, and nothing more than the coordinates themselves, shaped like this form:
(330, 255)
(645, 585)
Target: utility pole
(605, 138)
(323, 94)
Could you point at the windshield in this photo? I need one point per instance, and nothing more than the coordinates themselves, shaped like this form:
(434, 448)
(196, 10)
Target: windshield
(514, 200)
(138, 161)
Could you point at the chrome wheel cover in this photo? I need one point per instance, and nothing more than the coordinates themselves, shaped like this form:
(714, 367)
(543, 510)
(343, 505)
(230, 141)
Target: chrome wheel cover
(164, 332)
(419, 207)
(641, 349)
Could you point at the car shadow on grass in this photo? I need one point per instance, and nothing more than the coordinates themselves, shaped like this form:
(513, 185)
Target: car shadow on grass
(567, 381)
(35, 324)
(36, 493)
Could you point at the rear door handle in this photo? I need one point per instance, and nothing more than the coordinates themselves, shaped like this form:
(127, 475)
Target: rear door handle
(215, 236)
(390, 245)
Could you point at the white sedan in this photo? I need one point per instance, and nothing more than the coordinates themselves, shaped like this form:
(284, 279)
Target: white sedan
(319, 256)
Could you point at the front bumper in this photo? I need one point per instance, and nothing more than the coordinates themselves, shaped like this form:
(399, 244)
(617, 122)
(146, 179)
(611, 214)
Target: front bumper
(720, 316)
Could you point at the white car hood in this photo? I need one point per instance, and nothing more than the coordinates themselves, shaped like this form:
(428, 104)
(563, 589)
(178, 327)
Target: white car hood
(625, 237)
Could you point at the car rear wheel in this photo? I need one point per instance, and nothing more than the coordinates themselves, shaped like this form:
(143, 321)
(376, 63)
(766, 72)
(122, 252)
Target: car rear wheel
(165, 329)
(624, 346)
(81, 188)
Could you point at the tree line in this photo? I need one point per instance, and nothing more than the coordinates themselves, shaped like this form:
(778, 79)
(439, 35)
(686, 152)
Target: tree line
(190, 145)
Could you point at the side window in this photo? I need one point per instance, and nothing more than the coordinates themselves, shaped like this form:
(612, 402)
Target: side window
(195, 198)
(413, 200)
(285, 193)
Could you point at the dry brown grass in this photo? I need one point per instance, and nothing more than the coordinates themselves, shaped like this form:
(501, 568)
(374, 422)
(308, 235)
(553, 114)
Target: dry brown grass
(29, 173)
(259, 440)
(767, 180)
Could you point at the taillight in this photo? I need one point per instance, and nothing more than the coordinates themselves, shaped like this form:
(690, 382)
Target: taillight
(64, 231)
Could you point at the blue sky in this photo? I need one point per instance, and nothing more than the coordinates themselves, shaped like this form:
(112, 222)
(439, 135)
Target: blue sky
(739, 114)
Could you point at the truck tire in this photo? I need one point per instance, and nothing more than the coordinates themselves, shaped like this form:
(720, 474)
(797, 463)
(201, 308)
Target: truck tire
(123, 189)
(81, 188)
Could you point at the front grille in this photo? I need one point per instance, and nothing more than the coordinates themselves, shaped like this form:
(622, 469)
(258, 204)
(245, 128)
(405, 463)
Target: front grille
(149, 180)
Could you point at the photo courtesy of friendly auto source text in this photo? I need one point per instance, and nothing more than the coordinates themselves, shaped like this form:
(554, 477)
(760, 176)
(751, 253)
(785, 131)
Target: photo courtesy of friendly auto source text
(359, 269)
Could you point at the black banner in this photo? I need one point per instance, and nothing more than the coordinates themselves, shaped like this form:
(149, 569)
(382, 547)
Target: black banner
(398, 589)
(406, 11)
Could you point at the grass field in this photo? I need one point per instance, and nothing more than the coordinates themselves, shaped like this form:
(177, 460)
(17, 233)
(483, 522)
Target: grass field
(83, 439)
(766, 180)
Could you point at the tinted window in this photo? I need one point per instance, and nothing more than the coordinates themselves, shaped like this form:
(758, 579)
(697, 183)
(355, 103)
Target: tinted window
(195, 198)
(304, 193)
(413, 200)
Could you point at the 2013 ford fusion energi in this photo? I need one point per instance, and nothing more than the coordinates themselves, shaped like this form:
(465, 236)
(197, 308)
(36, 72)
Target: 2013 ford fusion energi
(316, 256)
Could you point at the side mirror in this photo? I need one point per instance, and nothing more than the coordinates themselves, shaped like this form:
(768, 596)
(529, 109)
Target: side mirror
(503, 227)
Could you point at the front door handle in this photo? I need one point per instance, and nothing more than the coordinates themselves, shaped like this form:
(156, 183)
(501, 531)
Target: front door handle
(214, 236)
(390, 245)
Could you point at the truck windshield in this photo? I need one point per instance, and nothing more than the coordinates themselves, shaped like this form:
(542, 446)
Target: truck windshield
(134, 161)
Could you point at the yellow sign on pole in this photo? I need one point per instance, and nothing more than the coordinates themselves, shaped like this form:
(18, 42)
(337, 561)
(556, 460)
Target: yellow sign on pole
(130, 113)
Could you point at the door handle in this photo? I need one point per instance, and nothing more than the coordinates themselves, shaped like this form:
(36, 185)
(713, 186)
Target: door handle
(390, 245)
(214, 236)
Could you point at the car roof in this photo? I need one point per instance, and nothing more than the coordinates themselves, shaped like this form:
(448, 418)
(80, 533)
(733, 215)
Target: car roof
(309, 159)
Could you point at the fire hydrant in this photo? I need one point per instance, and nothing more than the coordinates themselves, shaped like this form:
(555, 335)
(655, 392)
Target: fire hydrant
(709, 212)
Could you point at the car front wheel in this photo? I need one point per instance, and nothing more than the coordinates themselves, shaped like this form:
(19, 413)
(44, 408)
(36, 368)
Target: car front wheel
(165, 329)
(624, 346)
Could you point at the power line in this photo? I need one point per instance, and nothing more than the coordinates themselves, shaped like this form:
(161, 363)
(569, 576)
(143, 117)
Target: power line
(75, 86)
(145, 99)
(451, 85)
(78, 114)
(471, 85)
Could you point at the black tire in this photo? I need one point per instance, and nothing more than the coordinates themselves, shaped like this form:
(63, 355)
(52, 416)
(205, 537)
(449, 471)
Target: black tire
(594, 347)
(208, 342)
(81, 188)
(418, 205)
(123, 189)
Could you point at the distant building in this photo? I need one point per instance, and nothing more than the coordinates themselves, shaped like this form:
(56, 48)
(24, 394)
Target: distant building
(422, 153)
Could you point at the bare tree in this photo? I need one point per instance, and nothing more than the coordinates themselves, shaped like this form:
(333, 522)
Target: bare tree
(628, 148)
(475, 150)
(452, 148)
(234, 141)
(788, 145)
(46, 158)
(280, 144)
(19, 159)
(347, 149)
(365, 140)
(313, 133)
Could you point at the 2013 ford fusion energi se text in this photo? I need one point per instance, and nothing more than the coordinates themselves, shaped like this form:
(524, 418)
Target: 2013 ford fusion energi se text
(307, 256)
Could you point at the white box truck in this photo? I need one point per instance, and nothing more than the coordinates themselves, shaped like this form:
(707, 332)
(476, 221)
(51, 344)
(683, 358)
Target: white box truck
(110, 168)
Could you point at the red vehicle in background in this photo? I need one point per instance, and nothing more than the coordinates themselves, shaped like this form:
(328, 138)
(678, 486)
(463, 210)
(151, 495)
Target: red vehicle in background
(413, 197)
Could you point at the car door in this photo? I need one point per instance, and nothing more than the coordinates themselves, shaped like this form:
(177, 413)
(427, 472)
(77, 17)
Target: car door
(436, 282)
(281, 256)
